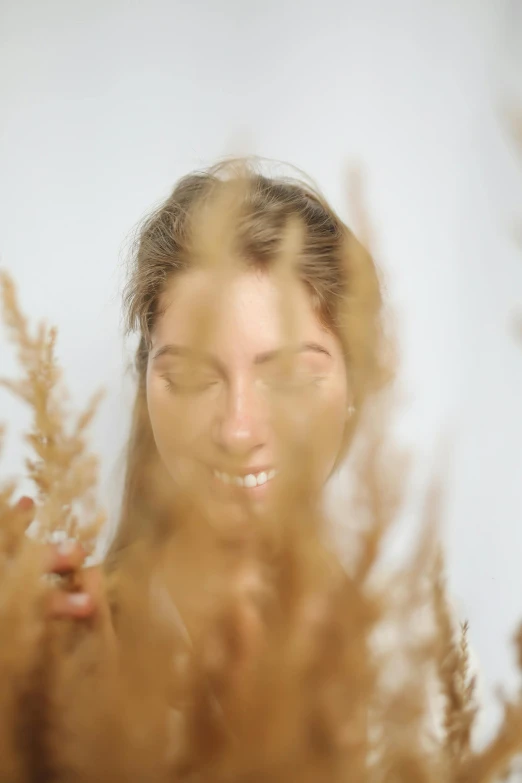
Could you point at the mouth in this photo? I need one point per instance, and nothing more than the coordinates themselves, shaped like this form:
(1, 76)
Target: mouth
(256, 478)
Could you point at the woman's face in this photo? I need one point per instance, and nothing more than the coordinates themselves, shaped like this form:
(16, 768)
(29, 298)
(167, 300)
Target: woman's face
(225, 417)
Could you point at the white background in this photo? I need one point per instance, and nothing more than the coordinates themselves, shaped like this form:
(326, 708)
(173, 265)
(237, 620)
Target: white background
(105, 103)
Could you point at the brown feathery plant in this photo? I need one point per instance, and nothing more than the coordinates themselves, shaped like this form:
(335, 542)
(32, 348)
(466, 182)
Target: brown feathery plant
(63, 472)
(64, 476)
(290, 668)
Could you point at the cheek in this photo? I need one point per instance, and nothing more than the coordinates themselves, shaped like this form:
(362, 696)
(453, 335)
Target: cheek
(312, 427)
(178, 423)
(329, 427)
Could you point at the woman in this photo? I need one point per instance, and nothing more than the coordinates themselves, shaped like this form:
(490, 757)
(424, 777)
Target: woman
(259, 319)
(226, 411)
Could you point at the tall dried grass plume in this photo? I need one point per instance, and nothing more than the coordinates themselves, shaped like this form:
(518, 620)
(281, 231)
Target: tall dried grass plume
(291, 667)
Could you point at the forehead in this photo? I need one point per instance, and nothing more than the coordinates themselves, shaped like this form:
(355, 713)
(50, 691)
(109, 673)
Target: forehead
(250, 310)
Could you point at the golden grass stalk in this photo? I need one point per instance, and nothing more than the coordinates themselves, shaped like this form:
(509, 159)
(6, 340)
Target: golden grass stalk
(239, 659)
(63, 472)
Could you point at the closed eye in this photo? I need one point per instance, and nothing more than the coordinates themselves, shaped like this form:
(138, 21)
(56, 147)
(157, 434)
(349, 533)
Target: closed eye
(289, 374)
(189, 382)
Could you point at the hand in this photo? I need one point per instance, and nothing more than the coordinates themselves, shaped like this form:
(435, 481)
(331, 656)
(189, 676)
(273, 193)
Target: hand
(61, 651)
(81, 593)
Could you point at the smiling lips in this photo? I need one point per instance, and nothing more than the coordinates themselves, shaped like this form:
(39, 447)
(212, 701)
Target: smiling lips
(249, 481)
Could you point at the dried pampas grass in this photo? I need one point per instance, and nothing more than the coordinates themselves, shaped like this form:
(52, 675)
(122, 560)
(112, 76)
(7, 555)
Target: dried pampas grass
(289, 668)
(64, 474)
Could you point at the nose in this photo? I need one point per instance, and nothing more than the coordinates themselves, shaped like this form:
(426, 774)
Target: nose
(240, 428)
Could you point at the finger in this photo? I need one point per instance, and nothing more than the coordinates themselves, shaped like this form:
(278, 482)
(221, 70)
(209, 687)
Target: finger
(26, 504)
(26, 511)
(88, 600)
(72, 605)
(65, 558)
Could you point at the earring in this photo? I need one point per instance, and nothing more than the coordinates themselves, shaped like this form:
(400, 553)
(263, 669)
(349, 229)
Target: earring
(350, 411)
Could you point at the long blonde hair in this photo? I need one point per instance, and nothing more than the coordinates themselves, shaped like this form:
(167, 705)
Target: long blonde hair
(162, 250)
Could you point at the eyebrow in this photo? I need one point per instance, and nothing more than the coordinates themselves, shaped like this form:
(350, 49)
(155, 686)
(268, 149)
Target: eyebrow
(260, 358)
(180, 350)
(268, 356)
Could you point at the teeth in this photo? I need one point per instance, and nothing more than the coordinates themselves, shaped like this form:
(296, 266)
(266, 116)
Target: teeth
(248, 481)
